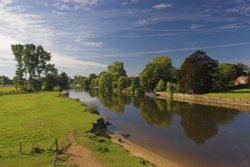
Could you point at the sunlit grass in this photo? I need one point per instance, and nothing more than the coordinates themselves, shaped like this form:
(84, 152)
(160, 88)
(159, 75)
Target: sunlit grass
(239, 94)
(36, 119)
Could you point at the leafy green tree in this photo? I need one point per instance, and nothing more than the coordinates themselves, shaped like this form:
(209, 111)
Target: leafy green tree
(123, 82)
(197, 73)
(50, 79)
(105, 82)
(170, 90)
(32, 62)
(159, 68)
(63, 81)
(117, 69)
(161, 86)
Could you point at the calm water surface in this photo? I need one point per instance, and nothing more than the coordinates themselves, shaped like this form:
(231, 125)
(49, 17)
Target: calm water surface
(189, 134)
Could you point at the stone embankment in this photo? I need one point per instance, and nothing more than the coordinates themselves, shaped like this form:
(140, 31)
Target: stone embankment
(233, 103)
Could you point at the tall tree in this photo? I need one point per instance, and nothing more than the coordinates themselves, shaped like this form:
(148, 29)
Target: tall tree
(105, 82)
(123, 82)
(159, 68)
(63, 81)
(32, 62)
(197, 73)
(117, 69)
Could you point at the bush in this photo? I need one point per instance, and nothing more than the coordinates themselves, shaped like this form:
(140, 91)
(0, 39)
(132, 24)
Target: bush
(92, 109)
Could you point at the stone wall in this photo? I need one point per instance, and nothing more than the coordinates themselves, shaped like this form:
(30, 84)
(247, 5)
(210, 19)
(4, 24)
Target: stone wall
(240, 104)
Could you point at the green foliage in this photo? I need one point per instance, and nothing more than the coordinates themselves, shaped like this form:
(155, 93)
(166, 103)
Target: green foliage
(5, 81)
(32, 64)
(170, 90)
(159, 68)
(92, 110)
(105, 82)
(63, 81)
(117, 69)
(123, 82)
(227, 74)
(161, 86)
(197, 73)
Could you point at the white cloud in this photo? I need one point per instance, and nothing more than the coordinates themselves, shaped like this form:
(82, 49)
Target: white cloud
(19, 26)
(163, 6)
(71, 5)
(196, 26)
(70, 62)
(93, 44)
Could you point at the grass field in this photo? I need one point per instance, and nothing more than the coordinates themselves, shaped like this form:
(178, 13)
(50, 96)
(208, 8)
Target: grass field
(36, 119)
(7, 89)
(239, 93)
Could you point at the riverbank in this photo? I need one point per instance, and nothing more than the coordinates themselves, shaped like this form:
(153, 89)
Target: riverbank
(36, 119)
(225, 102)
(136, 150)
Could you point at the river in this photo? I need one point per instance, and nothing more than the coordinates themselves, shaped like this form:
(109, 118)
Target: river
(188, 134)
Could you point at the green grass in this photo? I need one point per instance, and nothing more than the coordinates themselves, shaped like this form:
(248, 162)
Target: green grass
(7, 89)
(36, 119)
(239, 94)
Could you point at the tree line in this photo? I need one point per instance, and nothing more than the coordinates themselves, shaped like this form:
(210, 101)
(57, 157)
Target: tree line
(198, 74)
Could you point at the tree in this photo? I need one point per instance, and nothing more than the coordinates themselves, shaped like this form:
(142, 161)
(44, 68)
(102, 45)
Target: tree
(32, 62)
(197, 73)
(63, 81)
(159, 68)
(161, 86)
(117, 69)
(5, 81)
(123, 82)
(50, 79)
(105, 82)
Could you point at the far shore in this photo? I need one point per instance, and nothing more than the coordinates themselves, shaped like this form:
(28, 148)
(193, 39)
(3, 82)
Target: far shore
(136, 150)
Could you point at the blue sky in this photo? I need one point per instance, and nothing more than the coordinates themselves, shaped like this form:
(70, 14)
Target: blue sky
(84, 36)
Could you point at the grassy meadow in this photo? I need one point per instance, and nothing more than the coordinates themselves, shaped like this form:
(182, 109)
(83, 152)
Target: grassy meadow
(239, 94)
(36, 119)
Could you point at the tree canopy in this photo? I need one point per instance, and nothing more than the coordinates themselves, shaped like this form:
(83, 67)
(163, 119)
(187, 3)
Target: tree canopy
(159, 68)
(197, 73)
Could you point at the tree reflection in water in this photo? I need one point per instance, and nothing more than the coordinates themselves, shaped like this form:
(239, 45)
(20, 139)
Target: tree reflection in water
(199, 122)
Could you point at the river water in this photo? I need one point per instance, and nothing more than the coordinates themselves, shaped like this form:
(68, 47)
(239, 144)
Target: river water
(188, 134)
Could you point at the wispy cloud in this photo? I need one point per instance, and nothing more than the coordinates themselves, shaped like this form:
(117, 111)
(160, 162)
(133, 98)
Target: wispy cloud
(127, 2)
(144, 53)
(19, 26)
(71, 5)
(163, 6)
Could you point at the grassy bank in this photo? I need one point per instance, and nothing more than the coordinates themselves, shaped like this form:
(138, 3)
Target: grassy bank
(239, 94)
(7, 89)
(36, 119)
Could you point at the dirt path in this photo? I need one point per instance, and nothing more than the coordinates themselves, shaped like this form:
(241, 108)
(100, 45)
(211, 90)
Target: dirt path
(80, 156)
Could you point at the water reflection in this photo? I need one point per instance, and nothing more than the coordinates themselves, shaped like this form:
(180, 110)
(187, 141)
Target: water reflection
(199, 122)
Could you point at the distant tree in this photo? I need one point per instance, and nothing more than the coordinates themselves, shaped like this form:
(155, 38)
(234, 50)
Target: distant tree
(50, 79)
(117, 69)
(241, 69)
(197, 73)
(123, 82)
(32, 62)
(63, 81)
(105, 82)
(159, 68)
(5, 81)
(161, 86)
(170, 90)
(92, 76)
